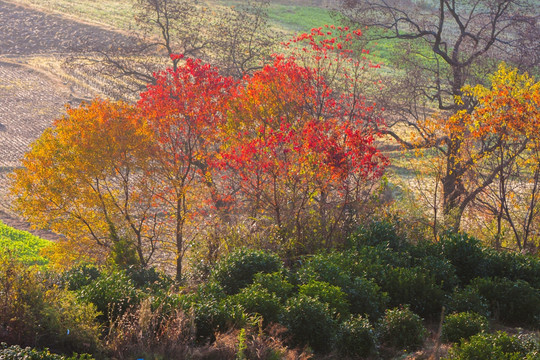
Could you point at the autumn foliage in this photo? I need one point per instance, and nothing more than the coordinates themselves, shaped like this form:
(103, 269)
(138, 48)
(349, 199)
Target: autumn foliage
(289, 149)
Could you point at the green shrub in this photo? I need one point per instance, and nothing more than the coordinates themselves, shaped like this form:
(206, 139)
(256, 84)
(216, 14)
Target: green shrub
(463, 325)
(381, 255)
(209, 291)
(442, 271)
(15, 352)
(512, 302)
(379, 232)
(149, 278)
(465, 253)
(513, 266)
(238, 269)
(79, 276)
(211, 317)
(310, 322)
(414, 287)
(356, 338)
(35, 313)
(499, 346)
(366, 298)
(328, 294)
(275, 283)
(402, 329)
(256, 299)
(112, 293)
(467, 299)
(67, 324)
(335, 268)
(23, 301)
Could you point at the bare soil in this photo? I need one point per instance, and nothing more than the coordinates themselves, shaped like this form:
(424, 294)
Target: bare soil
(25, 31)
(30, 97)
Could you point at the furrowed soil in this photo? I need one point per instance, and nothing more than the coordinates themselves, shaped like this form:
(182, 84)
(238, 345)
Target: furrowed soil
(33, 95)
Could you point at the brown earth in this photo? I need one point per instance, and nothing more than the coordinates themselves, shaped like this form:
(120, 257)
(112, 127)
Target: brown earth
(25, 31)
(32, 97)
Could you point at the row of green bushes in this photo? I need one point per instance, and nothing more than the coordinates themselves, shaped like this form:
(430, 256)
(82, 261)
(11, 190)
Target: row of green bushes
(365, 299)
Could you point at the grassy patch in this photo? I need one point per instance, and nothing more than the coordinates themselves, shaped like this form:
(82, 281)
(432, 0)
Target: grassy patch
(23, 245)
(294, 18)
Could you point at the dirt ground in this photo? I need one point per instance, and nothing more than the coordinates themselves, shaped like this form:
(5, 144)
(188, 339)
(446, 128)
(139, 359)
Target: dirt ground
(31, 96)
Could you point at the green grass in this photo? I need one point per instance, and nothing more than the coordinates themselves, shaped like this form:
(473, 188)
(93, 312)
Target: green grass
(294, 18)
(22, 245)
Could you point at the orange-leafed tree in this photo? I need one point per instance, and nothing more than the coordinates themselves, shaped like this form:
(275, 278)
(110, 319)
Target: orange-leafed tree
(299, 154)
(505, 171)
(88, 178)
(500, 132)
(185, 109)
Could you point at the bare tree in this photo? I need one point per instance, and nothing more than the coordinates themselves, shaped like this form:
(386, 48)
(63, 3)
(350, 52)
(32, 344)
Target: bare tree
(235, 38)
(445, 45)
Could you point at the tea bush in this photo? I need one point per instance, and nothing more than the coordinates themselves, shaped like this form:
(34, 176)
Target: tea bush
(310, 322)
(465, 253)
(442, 271)
(500, 346)
(512, 302)
(256, 299)
(149, 278)
(331, 295)
(402, 329)
(379, 232)
(275, 283)
(513, 266)
(356, 338)
(335, 268)
(415, 287)
(238, 269)
(366, 298)
(211, 317)
(79, 276)
(463, 325)
(15, 352)
(467, 299)
(112, 293)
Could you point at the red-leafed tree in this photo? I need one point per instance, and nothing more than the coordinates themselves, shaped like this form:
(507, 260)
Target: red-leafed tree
(291, 146)
(185, 108)
(300, 150)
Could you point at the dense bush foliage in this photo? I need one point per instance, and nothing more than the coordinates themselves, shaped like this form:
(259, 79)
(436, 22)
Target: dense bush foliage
(402, 329)
(463, 325)
(331, 295)
(465, 254)
(275, 283)
(362, 301)
(500, 346)
(257, 299)
(237, 270)
(379, 232)
(512, 302)
(34, 313)
(414, 287)
(467, 299)
(15, 352)
(366, 298)
(310, 322)
(356, 338)
(79, 276)
(112, 293)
